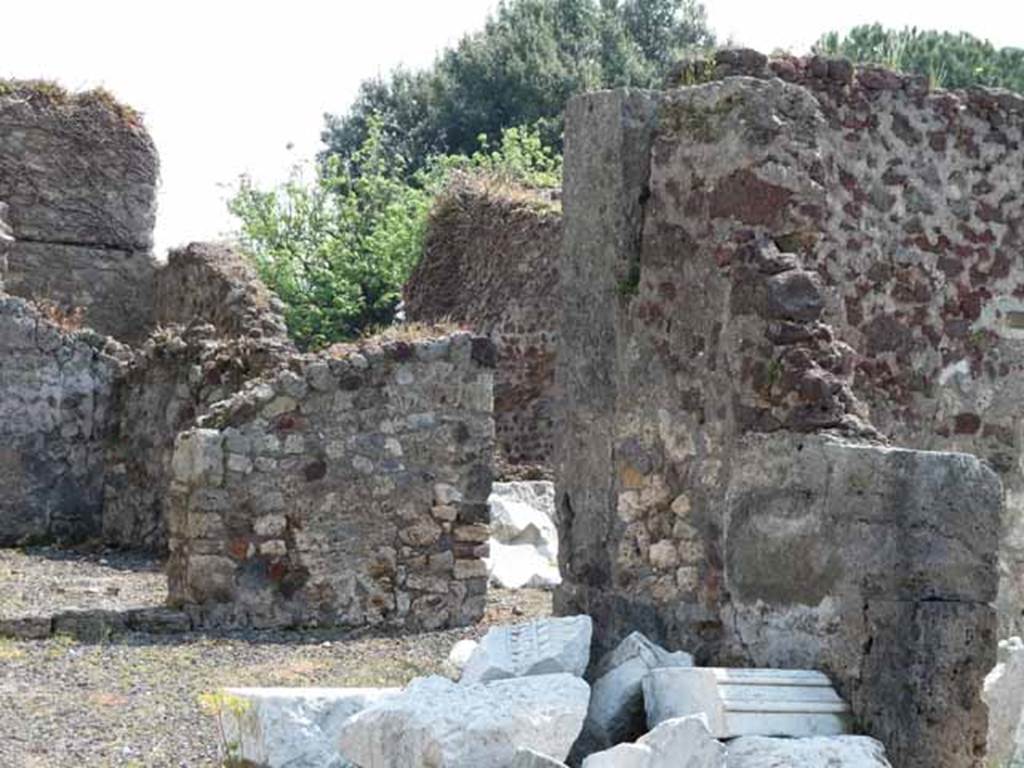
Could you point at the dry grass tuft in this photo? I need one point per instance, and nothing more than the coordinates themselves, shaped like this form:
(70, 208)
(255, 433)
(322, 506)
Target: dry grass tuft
(52, 95)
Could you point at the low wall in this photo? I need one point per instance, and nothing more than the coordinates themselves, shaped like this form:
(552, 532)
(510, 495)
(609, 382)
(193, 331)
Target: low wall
(348, 490)
(169, 382)
(56, 392)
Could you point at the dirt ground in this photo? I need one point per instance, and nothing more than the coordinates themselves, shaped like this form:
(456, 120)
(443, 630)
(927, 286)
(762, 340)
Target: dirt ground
(132, 700)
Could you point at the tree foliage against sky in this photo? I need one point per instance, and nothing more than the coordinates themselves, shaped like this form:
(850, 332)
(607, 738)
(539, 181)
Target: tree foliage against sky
(949, 59)
(520, 69)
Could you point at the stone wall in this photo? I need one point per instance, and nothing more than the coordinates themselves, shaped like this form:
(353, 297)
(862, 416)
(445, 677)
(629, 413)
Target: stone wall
(79, 174)
(214, 283)
(56, 388)
(721, 483)
(490, 263)
(907, 204)
(169, 382)
(350, 489)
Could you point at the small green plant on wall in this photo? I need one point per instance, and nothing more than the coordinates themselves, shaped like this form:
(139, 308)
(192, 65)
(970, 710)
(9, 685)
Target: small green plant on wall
(219, 705)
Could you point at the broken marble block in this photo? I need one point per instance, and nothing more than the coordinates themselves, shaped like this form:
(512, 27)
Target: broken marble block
(524, 539)
(616, 712)
(523, 513)
(530, 758)
(435, 723)
(1004, 696)
(539, 647)
(814, 752)
(521, 566)
(460, 654)
(294, 727)
(682, 742)
(748, 702)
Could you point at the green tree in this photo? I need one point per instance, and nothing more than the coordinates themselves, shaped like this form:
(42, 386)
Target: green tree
(949, 59)
(520, 69)
(338, 246)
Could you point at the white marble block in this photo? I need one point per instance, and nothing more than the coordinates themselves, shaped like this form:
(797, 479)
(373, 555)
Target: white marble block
(815, 752)
(682, 742)
(529, 758)
(541, 647)
(748, 702)
(435, 723)
(294, 727)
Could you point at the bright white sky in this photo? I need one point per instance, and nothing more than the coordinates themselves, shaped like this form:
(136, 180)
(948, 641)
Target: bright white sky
(227, 85)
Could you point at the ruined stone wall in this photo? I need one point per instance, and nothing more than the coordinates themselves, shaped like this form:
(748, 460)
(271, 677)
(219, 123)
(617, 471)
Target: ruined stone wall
(56, 389)
(79, 174)
(349, 490)
(214, 283)
(490, 263)
(907, 204)
(721, 483)
(169, 383)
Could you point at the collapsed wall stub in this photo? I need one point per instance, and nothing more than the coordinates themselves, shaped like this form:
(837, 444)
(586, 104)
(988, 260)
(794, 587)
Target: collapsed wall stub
(721, 485)
(214, 283)
(490, 262)
(168, 383)
(56, 391)
(344, 490)
(78, 173)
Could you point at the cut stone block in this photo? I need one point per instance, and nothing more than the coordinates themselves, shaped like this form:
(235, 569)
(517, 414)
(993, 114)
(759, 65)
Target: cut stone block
(748, 702)
(529, 758)
(435, 723)
(616, 712)
(682, 742)
(815, 752)
(1004, 696)
(524, 540)
(523, 513)
(540, 647)
(295, 727)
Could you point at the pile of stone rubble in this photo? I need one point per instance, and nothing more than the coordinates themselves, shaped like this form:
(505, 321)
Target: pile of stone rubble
(521, 702)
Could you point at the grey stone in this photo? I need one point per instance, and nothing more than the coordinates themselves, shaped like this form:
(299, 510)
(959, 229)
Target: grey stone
(683, 742)
(529, 758)
(744, 702)
(616, 711)
(1004, 697)
(294, 727)
(813, 752)
(435, 723)
(538, 647)
(309, 538)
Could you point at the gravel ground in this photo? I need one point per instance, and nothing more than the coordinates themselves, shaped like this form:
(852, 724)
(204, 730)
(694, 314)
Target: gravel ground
(43, 580)
(133, 701)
